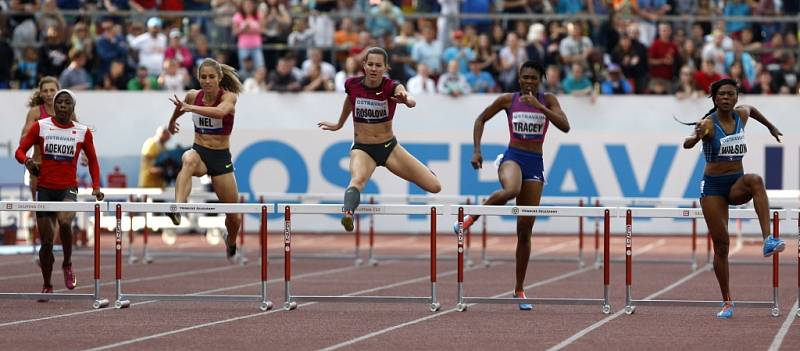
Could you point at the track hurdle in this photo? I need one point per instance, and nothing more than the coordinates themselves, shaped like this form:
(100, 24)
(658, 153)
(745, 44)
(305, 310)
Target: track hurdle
(373, 258)
(631, 303)
(605, 213)
(291, 300)
(546, 201)
(124, 300)
(657, 202)
(317, 198)
(38, 206)
(795, 215)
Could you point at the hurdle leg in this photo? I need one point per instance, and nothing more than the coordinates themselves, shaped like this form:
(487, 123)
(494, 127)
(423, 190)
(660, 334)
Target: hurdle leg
(629, 307)
(98, 302)
(606, 259)
(288, 304)
(798, 262)
(118, 301)
(266, 304)
(131, 257)
(371, 260)
(435, 305)
(469, 243)
(145, 235)
(240, 256)
(461, 306)
(580, 239)
(484, 239)
(776, 228)
(694, 239)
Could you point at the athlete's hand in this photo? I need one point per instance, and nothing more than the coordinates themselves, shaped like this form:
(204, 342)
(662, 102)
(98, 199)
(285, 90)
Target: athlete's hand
(173, 127)
(402, 97)
(98, 194)
(32, 166)
(531, 100)
(777, 134)
(179, 104)
(477, 160)
(702, 128)
(329, 126)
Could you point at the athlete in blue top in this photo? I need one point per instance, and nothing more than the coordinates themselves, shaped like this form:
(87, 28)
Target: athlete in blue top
(521, 171)
(724, 182)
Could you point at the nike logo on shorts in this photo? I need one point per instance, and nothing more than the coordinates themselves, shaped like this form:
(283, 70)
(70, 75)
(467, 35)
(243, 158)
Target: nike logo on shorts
(387, 145)
(229, 165)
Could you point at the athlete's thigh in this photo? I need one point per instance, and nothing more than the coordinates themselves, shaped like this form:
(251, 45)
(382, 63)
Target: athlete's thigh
(225, 187)
(361, 165)
(715, 212)
(510, 176)
(406, 166)
(740, 192)
(193, 163)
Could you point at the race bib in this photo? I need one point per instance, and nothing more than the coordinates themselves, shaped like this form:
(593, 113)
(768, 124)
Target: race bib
(528, 125)
(60, 145)
(371, 110)
(733, 146)
(205, 124)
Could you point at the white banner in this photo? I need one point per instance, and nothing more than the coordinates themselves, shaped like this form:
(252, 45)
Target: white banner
(619, 146)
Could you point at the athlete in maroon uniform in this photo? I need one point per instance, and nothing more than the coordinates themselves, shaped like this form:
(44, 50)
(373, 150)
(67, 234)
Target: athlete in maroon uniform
(212, 110)
(372, 100)
(60, 141)
(40, 107)
(521, 171)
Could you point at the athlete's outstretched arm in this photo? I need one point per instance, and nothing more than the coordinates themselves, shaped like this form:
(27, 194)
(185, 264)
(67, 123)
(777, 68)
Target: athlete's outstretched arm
(173, 126)
(552, 110)
(502, 102)
(758, 116)
(226, 107)
(346, 109)
(401, 95)
(701, 130)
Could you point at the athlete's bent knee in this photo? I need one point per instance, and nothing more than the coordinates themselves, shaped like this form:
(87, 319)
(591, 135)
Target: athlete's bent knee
(721, 249)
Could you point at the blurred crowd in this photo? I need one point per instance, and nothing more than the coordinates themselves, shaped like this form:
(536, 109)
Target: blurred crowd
(622, 47)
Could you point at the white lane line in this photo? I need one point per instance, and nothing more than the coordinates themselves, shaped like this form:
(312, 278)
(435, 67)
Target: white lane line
(416, 321)
(603, 321)
(312, 274)
(778, 340)
(209, 324)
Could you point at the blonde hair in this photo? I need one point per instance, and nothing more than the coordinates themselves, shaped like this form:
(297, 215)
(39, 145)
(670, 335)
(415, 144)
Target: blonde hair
(230, 79)
(36, 98)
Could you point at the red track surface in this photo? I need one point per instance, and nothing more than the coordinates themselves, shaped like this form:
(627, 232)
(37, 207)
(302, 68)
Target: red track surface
(206, 325)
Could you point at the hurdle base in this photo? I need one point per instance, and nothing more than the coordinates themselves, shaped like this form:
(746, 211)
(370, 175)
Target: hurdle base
(119, 304)
(360, 299)
(631, 307)
(37, 296)
(171, 297)
(540, 301)
(100, 303)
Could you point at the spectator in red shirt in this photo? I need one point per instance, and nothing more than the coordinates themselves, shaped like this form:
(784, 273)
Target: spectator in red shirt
(61, 141)
(662, 56)
(176, 50)
(707, 75)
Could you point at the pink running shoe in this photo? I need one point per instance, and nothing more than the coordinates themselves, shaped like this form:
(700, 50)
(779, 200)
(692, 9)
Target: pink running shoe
(46, 290)
(69, 278)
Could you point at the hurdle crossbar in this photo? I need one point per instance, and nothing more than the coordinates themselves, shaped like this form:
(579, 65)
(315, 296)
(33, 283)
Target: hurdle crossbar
(551, 211)
(631, 303)
(373, 258)
(291, 300)
(123, 300)
(555, 200)
(658, 203)
(48, 206)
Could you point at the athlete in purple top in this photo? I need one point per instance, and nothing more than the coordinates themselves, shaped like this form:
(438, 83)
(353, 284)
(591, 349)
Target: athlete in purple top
(521, 171)
(372, 100)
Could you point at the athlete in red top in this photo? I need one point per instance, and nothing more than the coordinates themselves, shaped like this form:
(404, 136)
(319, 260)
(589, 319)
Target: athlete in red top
(372, 100)
(212, 110)
(60, 141)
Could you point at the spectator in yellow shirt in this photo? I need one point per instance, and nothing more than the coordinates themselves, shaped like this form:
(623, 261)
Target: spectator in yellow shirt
(151, 176)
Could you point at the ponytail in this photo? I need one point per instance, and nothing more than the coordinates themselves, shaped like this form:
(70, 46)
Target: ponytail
(37, 99)
(230, 79)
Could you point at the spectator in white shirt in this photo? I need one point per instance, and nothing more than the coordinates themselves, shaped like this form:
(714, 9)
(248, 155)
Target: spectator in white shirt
(315, 57)
(351, 69)
(421, 83)
(151, 47)
(258, 82)
(453, 83)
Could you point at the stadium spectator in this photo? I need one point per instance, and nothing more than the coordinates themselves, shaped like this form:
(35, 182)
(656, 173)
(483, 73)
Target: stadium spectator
(511, 56)
(75, 76)
(247, 26)
(576, 82)
(150, 175)
(151, 46)
(452, 82)
(400, 60)
(649, 11)
(257, 83)
(786, 77)
(766, 85)
(428, 51)
(480, 81)
(111, 46)
(116, 78)
(351, 69)
(315, 58)
(662, 55)
(142, 81)
(384, 17)
(53, 54)
(686, 87)
(631, 55)
(282, 79)
(707, 75)
(736, 72)
(459, 52)
(178, 51)
(421, 83)
(552, 80)
(615, 83)
(173, 77)
(26, 70)
(575, 48)
(315, 80)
